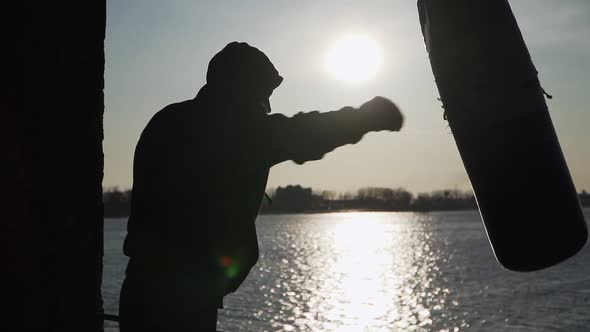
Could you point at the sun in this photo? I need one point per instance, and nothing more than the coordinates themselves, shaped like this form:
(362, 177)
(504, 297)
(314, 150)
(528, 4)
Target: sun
(354, 59)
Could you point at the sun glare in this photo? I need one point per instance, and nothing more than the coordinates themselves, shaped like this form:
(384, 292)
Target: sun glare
(354, 58)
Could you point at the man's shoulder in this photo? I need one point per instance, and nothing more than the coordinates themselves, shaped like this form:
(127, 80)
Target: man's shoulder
(163, 123)
(169, 115)
(173, 110)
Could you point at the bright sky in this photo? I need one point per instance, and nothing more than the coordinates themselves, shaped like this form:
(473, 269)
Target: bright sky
(157, 53)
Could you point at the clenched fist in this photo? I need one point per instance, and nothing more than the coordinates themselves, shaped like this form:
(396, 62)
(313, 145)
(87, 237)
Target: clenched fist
(385, 115)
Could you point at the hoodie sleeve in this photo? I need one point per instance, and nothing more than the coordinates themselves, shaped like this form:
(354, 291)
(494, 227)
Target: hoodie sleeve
(309, 136)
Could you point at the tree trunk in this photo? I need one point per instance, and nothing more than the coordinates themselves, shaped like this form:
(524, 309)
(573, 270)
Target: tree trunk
(54, 152)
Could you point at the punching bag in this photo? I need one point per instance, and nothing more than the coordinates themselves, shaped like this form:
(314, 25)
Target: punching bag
(497, 113)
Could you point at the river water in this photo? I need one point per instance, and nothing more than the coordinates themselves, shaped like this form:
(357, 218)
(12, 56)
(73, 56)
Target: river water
(372, 271)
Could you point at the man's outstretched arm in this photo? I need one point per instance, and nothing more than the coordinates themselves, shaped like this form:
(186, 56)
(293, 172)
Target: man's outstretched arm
(309, 136)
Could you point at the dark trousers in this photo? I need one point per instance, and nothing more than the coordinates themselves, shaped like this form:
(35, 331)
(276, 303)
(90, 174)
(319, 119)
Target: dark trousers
(163, 301)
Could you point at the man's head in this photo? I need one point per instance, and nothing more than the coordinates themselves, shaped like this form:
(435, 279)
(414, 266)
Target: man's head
(244, 74)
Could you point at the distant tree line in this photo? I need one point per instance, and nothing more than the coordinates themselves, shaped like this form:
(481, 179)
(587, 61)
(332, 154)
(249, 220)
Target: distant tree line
(117, 203)
(294, 199)
(297, 199)
(584, 198)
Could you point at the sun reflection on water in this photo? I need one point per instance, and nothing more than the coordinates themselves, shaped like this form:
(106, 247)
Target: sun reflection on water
(362, 271)
(380, 273)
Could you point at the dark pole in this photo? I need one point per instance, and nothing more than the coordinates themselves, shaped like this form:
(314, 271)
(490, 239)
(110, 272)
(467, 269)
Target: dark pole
(54, 210)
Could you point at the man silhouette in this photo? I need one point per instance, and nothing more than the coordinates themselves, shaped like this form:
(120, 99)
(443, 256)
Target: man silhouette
(199, 176)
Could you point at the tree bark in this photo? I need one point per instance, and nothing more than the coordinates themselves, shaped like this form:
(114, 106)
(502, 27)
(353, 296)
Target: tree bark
(54, 136)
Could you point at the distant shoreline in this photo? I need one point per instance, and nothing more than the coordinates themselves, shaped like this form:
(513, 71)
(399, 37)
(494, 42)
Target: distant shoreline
(360, 210)
(341, 211)
(338, 211)
(300, 200)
